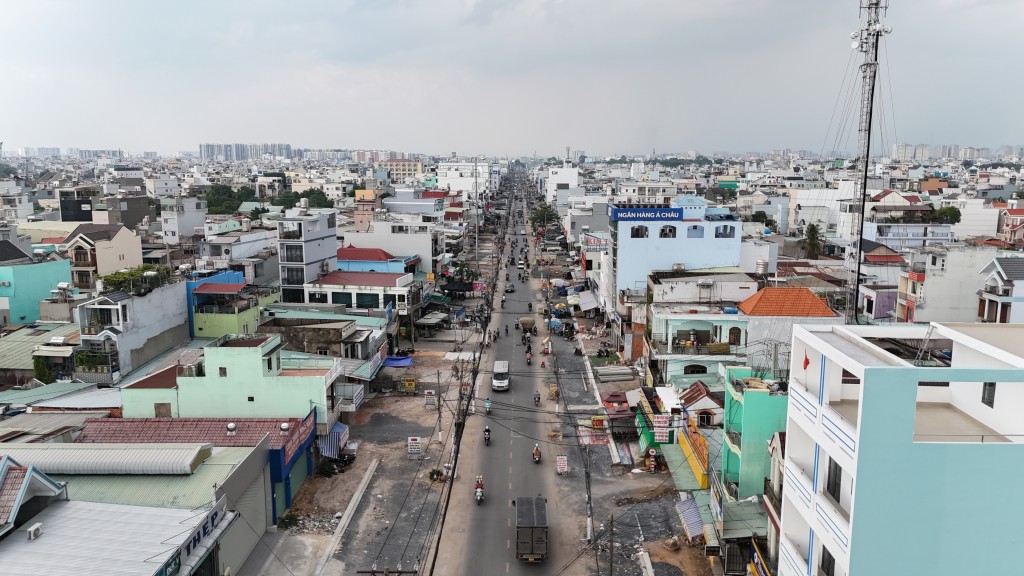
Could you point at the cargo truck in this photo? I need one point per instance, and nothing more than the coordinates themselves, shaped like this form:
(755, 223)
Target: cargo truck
(531, 528)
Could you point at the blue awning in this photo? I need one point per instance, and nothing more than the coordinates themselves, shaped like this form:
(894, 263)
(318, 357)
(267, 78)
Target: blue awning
(332, 443)
(398, 361)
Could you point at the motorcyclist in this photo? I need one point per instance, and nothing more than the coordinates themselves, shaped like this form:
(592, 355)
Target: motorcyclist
(536, 397)
(506, 329)
(529, 349)
(529, 305)
(487, 407)
(529, 357)
(536, 452)
(487, 435)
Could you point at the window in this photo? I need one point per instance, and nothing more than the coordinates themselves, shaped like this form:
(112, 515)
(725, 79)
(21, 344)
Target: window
(988, 394)
(735, 336)
(321, 351)
(318, 297)
(695, 231)
(367, 300)
(341, 298)
(828, 562)
(252, 398)
(725, 231)
(705, 418)
(667, 232)
(223, 372)
(162, 410)
(270, 363)
(638, 232)
(695, 369)
(834, 479)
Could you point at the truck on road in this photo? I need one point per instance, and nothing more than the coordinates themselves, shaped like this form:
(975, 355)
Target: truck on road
(531, 528)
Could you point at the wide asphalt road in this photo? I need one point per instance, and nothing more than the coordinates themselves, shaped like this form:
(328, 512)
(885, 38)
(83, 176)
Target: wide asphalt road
(480, 539)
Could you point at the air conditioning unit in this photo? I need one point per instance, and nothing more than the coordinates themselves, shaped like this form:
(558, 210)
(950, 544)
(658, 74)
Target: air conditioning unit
(35, 531)
(5, 283)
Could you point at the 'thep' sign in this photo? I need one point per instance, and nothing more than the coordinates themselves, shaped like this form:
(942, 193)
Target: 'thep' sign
(415, 446)
(562, 463)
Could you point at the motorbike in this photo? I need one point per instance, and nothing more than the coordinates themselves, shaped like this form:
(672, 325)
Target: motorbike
(529, 306)
(528, 358)
(536, 454)
(536, 398)
(578, 351)
(487, 437)
(502, 302)
(524, 339)
(517, 324)
(506, 329)
(487, 409)
(478, 493)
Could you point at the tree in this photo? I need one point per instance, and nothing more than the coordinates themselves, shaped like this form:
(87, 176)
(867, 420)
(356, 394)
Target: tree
(967, 164)
(7, 171)
(42, 371)
(317, 198)
(947, 215)
(257, 213)
(543, 215)
(812, 242)
(762, 217)
(286, 200)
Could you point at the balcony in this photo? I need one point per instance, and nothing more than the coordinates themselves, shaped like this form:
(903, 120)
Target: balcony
(224, 308)
(721, 349)
(918, 267)
(79, 262)
(792, 560)
(834, 518)
(772, 498)
(795, 476)
(734, 439)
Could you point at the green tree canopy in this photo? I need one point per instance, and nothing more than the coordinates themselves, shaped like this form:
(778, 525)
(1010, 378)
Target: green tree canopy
(812, 241)
(222, 199)
(543, 215)
(7, 171)
(948, 215)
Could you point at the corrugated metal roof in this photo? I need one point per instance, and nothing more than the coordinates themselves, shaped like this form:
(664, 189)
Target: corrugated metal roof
(36, 425)
(173, 491)
(36, 395)
(86, 399)
(1012, 267)
(111, 458)
(16, 347)
(83, 539)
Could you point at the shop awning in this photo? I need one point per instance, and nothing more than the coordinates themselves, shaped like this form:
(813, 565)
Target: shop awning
(587, 300)
(54, 351)
(398, 361)
(332, 443)
(368, 371)
(690, 516)
(439, 298)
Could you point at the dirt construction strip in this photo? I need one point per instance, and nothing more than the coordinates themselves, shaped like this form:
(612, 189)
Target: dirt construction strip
(346, 518)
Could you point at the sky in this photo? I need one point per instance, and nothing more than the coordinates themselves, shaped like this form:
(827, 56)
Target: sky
(501, 77)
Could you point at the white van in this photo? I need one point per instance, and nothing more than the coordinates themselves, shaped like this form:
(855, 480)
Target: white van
(499, 375)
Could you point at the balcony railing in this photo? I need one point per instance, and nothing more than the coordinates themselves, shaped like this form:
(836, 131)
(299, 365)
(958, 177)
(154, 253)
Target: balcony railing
(700, 350)
(290, 235)
(94, 329)
(996, 290)
(736, 438)
(223, 309)
(773, 499)
(83, 263)
(914, 267)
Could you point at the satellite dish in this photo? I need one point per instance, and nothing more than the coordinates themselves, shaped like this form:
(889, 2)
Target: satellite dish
(855, 44)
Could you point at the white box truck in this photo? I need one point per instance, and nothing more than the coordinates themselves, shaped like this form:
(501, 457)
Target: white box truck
(500, 376)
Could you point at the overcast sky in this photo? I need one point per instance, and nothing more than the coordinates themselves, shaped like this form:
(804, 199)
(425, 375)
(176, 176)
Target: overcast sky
(500, 77)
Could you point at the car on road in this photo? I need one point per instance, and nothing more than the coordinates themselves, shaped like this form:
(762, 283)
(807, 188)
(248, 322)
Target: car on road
(510, 287)
(522, 265)
(522, 232)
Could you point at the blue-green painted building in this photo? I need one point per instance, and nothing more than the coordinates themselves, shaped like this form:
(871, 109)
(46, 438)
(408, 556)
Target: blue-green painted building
(24, 284)
(755, 409)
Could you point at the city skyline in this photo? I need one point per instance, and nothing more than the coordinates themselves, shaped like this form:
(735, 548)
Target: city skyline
(495, 78)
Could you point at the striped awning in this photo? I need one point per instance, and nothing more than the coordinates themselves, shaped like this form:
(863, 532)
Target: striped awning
(690, 516)
(334, 440)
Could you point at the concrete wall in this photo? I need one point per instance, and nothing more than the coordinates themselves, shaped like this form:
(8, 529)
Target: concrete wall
(123, 251)
(636, 257)
(159, 322)
(901, 524)
(29, 284)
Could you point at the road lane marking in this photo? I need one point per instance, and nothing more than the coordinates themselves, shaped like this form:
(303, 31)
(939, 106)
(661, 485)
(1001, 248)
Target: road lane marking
(508, 544)
(506, 567)
(510, 485)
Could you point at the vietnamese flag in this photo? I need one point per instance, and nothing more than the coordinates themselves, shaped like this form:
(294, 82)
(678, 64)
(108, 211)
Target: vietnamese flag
(807, 361)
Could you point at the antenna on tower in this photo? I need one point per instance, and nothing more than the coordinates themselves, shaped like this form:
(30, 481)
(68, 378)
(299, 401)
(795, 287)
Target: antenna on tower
(866, 41)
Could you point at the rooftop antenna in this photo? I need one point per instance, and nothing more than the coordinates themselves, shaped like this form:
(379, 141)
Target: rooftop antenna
(866, 41)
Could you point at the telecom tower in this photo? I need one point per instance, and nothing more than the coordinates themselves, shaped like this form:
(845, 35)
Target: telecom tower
(866, 40)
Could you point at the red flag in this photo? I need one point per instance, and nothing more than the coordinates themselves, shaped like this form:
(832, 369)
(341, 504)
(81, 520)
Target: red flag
(807, 361)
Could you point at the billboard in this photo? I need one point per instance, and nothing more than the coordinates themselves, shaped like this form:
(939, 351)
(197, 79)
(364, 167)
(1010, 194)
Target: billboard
(654, 213)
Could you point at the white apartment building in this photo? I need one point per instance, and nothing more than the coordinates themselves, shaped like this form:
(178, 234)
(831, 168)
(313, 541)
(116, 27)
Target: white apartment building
(463, 177)
(307, 249)
(938, 283)
(558, 178)
(978, 217)
(901, 446)
(163, 185)
(181, 217)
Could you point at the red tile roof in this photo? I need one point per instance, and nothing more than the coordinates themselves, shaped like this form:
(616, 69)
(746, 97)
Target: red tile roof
(248, 431)
(1015, 211)
(881, 195)
(10, 486)
(342, 278)
(778, 301)
(218, 288)
(363, 254)
(52, 240)
(695, 392)
(912, 198)
(883, 258)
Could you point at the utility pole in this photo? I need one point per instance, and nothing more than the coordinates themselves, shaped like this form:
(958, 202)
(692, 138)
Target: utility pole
(866, 41)
(439, 399)
(611, 545)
